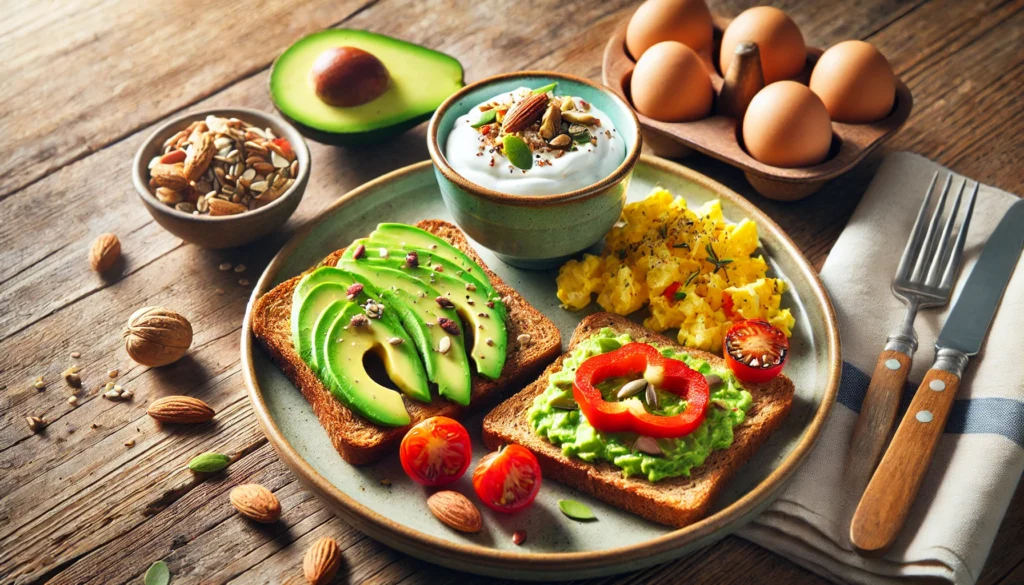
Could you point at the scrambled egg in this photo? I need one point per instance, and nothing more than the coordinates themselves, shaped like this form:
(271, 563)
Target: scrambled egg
(694, 270)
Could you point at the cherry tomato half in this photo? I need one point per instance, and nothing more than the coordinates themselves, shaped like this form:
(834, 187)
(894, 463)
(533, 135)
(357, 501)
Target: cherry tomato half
(436, 451)
(755, 350)
(508, 479)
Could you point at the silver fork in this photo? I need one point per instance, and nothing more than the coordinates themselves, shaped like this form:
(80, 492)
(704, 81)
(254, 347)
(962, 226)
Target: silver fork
(924, 279)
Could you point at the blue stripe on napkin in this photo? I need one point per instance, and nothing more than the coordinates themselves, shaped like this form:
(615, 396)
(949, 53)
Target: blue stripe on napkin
(998, 416)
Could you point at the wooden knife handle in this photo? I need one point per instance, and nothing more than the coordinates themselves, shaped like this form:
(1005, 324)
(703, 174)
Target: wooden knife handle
(877, 416)
(886, 503)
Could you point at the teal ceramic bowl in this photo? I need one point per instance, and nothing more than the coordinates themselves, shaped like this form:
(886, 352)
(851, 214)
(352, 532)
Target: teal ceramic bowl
(534, 231)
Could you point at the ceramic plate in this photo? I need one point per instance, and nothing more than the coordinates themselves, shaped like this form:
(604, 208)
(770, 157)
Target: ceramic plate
(556, 547)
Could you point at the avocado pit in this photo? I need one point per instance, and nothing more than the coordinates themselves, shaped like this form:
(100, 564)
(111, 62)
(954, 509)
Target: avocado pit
(346, 77)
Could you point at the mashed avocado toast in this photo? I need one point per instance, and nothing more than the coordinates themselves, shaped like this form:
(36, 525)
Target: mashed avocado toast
(672, 481)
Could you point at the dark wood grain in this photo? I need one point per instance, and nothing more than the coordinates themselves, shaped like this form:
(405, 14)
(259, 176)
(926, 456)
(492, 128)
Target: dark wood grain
(84, 81)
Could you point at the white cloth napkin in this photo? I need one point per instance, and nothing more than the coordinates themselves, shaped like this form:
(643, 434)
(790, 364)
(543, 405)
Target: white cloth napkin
(980, 457)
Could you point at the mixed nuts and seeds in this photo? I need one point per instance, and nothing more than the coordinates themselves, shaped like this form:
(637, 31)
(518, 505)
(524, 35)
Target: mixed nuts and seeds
(222, 166)
(535, 122)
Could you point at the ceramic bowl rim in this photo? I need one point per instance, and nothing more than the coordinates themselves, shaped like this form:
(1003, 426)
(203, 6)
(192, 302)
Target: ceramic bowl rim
(299, 146)
(396, 534)
(591, 190)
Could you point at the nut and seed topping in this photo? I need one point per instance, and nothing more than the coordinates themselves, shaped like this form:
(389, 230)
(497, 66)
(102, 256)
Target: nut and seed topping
(354, 290)
(359, 252)
(222, 166)
(445, 344)
(470, 286)
(445, 303)
(395, 340)
(359, 320)
(383, 252)
(518, 537)
(448, 325)
(412, 260)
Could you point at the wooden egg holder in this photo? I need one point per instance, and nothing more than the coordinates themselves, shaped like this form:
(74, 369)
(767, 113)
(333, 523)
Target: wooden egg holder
(719, 135)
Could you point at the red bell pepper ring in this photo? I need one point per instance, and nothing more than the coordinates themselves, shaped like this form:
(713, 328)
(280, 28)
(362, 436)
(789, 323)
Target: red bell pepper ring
(629, 416)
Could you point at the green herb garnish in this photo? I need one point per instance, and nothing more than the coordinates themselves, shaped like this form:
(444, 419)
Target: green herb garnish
(679, 295)
(518, 152)
(718, 262)
(158, 574)
(546, 88)
(485, 118)
(576, 510)
(209, 462)
(691, 277)
(684, 245)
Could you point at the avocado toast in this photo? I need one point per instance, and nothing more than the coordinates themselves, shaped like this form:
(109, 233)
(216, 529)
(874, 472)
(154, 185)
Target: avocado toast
(376, 299)
(675, 500)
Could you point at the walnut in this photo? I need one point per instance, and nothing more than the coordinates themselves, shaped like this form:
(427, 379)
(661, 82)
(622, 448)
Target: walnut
(156, 336)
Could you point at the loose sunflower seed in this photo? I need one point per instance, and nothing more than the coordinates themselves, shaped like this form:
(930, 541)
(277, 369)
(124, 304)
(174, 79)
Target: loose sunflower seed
(395, 340)
(444, 345)
(714, 380)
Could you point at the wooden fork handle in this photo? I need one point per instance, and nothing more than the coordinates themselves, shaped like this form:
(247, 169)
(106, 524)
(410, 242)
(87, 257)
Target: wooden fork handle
(893, 488)
(877, 416)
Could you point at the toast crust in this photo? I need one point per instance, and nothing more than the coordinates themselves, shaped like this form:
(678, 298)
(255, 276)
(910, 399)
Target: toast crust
(358, 440)
(677, 501)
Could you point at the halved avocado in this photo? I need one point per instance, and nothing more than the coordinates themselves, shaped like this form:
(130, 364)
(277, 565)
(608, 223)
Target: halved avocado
(420, 80)
(408, 236)
(345, 371)
(415, 305)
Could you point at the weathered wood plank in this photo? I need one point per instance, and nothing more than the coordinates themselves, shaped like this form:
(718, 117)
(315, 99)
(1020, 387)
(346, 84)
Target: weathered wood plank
(943, 40)
(81, 75)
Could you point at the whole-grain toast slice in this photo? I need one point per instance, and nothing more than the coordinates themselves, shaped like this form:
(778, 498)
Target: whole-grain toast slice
(674, 501)
(360, 441)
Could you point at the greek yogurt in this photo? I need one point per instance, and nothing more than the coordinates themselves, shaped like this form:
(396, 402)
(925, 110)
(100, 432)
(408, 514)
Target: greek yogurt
(474, 148)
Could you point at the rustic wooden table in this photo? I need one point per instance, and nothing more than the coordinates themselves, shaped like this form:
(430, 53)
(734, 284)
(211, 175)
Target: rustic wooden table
(104, 491)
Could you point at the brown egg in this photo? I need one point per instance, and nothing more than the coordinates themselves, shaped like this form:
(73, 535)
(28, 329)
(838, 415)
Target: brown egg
(783, 52)
(670, 84)
(786, 125)
(684, 21)
(855, 81)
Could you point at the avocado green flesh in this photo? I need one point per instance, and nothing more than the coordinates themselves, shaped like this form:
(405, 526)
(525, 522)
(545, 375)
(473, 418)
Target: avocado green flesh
(348, 380)
(414, 303)
(305, 316)
(306, 312)
(320, 330)
(488, 323)
(420, 80)
(425, 258)
(411, 237)
(577, 438)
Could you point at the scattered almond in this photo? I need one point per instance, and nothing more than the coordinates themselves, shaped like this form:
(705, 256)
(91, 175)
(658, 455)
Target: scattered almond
(518, 537)
(180, 410)
(322, 561)
(455, 510)
(256, 503)
(104, 252)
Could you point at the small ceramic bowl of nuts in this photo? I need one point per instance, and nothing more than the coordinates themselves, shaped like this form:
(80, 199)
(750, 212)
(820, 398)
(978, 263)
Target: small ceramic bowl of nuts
(223, 177)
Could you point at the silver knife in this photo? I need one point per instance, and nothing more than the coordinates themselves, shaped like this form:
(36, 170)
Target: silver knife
(885, 504)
